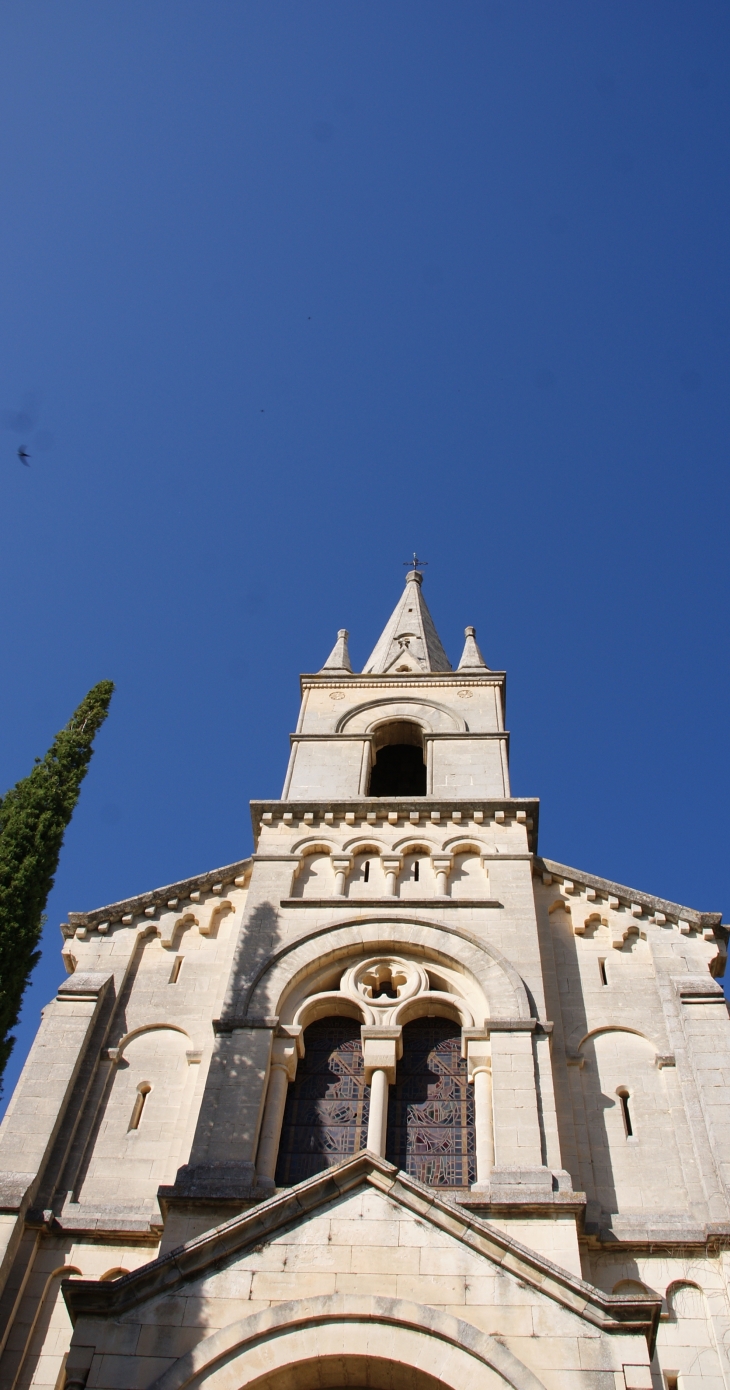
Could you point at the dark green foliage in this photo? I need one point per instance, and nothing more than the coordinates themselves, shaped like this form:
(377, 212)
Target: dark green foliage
(33, 819)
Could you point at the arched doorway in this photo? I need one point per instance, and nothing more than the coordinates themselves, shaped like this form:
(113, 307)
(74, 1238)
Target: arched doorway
(364, 1343)
(431, 1107)
(326, 1114)
(363, 1372)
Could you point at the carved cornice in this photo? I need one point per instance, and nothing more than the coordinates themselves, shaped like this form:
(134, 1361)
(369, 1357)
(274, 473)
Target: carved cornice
(161, 898)
(368, 810)
(701, 921)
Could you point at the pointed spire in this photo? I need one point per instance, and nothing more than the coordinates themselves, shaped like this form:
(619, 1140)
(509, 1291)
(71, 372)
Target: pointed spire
(339, 658)
(471, 657)
(409, 641)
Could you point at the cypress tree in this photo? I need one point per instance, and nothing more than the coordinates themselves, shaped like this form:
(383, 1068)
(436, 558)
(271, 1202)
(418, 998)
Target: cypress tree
(33, 819)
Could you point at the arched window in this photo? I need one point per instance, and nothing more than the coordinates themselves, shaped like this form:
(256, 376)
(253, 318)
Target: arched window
(140, 1099)
(686, 1349)
(624, 1097)
(326, 1114)
(431, 1107)
(399, 768)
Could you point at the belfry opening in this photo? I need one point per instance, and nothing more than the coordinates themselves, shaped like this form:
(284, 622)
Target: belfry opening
(399, 768)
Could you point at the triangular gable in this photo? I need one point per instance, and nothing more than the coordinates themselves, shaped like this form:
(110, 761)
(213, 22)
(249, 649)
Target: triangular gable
(223, 1245)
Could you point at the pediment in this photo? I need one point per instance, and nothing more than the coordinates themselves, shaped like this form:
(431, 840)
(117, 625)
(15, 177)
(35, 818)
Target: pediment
(368, 1228)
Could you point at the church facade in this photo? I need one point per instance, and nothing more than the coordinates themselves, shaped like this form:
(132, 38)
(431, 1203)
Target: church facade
(393, 1103)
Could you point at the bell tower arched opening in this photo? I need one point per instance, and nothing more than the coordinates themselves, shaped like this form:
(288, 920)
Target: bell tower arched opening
(400, 766)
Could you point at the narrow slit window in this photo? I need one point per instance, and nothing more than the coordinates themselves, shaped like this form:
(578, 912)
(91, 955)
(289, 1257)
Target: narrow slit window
(143, 1091)
(671, 1380)
(626, 1110)
(366, 871)
(415, 871)
(602, 972)
(176, 968)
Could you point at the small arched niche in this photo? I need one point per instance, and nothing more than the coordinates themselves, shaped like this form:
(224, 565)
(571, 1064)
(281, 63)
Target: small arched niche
(468, 877)
(367, 879)
(417, 878)
(631, 1288)
(315, 878)
(399, 767)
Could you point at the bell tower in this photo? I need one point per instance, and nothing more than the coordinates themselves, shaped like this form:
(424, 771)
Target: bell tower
(408, 725)
(391, 883)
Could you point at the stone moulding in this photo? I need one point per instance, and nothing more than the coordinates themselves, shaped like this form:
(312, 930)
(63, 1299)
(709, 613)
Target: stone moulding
(367, 903)
(527, 1204)
(609, 1312)
(383, 681)
(627, 896)
(486, 949)
(278, 1327)
(698, 989)
(360, 806)
(159, 898)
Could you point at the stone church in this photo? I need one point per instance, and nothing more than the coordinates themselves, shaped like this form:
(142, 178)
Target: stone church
(394, 1103)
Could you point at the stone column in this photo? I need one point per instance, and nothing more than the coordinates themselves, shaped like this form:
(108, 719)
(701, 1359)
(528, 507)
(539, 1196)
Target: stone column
(378, 1121)
(366, 763)
(428, 749)
(341, 865)
(484, 1128)
(391, 867)
(475, 1045)
(441, 868)
(518, 1156)
(283, 1069)
(381, 1048)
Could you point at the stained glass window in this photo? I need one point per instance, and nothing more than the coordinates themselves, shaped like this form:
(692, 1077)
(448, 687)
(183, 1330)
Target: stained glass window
(326, 1114)
(431, 1107)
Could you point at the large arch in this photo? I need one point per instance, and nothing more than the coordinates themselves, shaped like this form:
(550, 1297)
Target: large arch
(148, 1028)
(424, 1345)
(500, 983)
(432, 716)
(577, 1039)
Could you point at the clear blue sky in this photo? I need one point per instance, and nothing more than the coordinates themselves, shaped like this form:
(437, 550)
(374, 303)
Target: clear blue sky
(288, 289)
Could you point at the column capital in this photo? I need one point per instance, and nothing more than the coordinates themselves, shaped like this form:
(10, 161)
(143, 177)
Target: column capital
(285, 1055)
(381, 1048)
(475, 1047)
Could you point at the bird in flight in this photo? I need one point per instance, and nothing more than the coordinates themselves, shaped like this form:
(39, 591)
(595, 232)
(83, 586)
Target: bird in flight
(23, 455)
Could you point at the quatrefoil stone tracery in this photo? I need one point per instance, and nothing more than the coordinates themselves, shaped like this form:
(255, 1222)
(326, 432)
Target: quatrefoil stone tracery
(382, 981)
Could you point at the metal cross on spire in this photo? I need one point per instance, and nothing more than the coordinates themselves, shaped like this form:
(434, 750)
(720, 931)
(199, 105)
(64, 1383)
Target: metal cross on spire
(415, 563)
